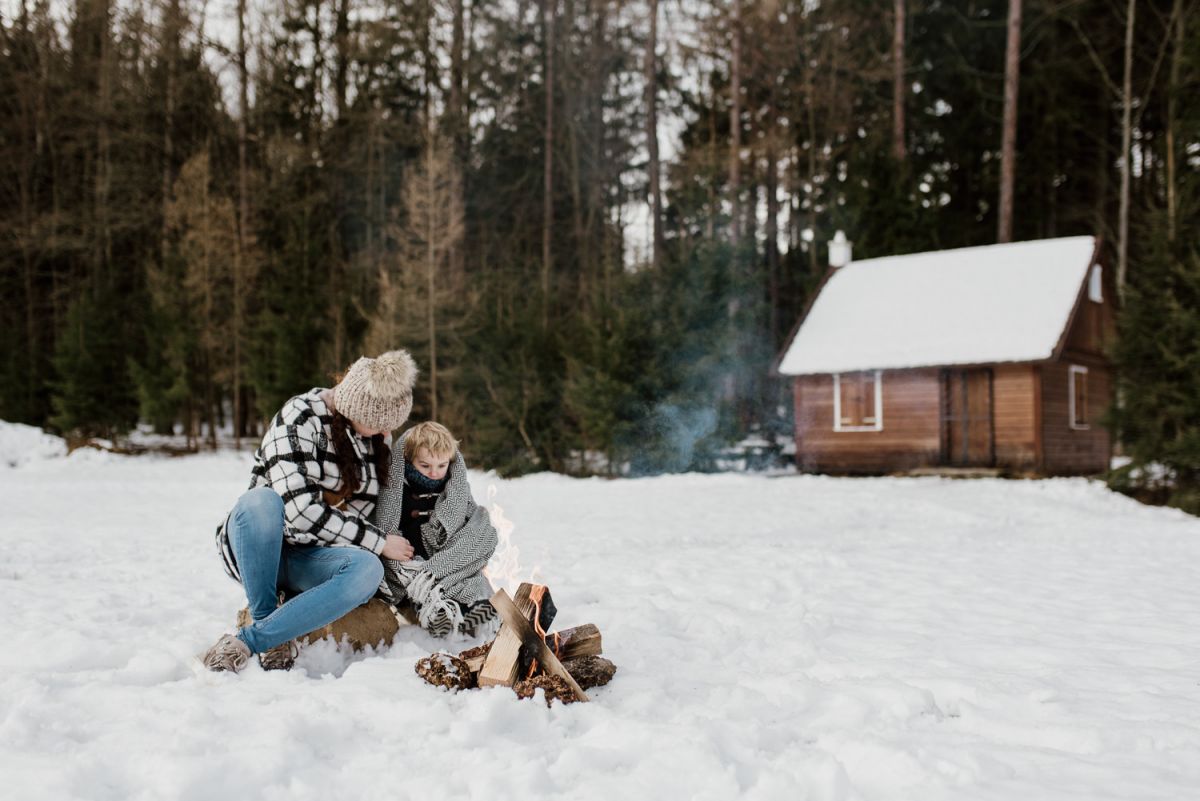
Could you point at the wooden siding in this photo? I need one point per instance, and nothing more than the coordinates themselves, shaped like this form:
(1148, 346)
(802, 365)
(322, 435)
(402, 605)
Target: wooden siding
(1067, 449)
(1015, 411)
(910, 436)
(1093, 326)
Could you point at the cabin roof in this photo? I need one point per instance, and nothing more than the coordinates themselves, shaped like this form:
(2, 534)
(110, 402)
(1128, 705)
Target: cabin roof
(980, 305)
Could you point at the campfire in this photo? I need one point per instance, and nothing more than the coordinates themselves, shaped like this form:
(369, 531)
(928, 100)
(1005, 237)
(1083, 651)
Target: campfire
(525, 654)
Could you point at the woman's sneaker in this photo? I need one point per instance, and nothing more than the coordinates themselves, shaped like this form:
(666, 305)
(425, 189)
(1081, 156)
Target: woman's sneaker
(281, 657)
(228, 653)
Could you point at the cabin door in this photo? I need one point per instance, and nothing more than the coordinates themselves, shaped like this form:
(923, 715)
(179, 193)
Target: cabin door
(968, 430)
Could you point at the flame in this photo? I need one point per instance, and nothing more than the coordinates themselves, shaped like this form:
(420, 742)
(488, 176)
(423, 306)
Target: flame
(537, 595)
(503, 570)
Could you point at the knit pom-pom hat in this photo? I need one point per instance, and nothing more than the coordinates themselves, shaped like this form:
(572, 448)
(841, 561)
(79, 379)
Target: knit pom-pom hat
(377, 393)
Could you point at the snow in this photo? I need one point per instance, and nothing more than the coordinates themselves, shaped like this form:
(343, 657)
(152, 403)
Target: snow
(21, 444)
(776, 638)
(981, 305)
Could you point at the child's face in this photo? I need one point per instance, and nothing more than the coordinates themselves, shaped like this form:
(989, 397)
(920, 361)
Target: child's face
(431, 465)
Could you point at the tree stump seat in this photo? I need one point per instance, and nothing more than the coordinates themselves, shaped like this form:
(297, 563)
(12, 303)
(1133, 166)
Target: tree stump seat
(373, 624)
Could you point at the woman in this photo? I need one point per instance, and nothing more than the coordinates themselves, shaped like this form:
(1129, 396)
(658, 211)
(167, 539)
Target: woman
(302, 527)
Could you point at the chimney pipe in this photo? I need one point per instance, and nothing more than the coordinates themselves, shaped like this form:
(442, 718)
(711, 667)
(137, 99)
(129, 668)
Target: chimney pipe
(839, 250)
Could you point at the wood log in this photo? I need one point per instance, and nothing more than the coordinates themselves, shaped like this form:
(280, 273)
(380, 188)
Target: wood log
(475, 657)
(541, 616)
(575, 642)
(590, 671)
(572, 643)
(373, 624)
(502, 665)
(446, 671)
(554, 688)
(513, 618)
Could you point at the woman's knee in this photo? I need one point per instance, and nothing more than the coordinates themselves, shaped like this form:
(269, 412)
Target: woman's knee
(260, 512)
(365, 570)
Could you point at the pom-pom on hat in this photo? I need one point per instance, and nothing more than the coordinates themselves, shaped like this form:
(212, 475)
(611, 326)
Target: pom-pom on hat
(377, 393)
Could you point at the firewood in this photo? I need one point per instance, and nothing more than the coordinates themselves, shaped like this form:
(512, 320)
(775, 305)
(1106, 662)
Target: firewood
(446, 671)
(590, 671)
(571, 643)
(500, 666)
(503, 662)
(521, 627)
(554, 688)
(575, 642)
(475, 657)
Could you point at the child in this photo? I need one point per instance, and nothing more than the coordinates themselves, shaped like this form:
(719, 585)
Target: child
(428, 501)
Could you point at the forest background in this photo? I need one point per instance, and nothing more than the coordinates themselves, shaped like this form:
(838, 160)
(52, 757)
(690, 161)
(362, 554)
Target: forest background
(593, 222)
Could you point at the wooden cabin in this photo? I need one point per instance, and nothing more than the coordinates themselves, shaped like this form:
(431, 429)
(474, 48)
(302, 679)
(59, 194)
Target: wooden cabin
(988, 357)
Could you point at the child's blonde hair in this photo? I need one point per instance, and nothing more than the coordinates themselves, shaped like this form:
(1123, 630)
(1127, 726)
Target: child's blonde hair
(433, 436)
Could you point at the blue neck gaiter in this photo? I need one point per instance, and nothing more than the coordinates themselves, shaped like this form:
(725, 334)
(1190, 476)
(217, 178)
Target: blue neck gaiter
(422, 482)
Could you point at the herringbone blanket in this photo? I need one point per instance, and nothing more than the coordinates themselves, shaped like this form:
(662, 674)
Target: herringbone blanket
(459, 536)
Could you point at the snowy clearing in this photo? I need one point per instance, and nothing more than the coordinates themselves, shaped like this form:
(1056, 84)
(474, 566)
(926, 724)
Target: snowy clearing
(786, 638)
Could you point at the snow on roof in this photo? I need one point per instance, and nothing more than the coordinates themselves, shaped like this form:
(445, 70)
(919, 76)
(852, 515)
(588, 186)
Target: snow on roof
(998, 303)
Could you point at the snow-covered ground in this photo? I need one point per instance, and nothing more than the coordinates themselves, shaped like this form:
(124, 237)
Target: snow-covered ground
(776, 638)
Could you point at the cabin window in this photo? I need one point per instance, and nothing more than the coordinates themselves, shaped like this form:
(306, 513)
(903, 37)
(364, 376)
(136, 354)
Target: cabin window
(1077, 398)
(1096, 285)
(858, 401)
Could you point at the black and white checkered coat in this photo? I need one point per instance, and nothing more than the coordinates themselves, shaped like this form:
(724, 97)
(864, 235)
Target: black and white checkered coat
(296, 460)
(459, 537)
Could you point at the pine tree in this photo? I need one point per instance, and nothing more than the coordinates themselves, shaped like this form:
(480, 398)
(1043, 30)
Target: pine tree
(1157, 357)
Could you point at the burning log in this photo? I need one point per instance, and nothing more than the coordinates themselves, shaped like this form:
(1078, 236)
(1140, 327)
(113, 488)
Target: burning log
(505, 661)
(568, 644)
(523, 656)
(525, 633)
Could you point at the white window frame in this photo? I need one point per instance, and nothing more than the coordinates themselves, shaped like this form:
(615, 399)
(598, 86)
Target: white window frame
(837, 404)
(1073, 371)
(1096, 284)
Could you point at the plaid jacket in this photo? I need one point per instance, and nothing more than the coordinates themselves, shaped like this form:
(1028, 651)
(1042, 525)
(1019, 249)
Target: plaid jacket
(296, 460)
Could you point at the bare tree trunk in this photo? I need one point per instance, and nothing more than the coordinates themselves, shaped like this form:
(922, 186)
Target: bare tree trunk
(102, 246)
(548, 13)
(171, 48)
(772, 189)
(210, 337)
(1173, 118)
(814, 266)
(713, 207)
(898, 83)
(341, 41)
(1126, 141)
(1008, 142)
(243, 226)
(651, 78)
(735, 123)
(458, 122)
(431, 233)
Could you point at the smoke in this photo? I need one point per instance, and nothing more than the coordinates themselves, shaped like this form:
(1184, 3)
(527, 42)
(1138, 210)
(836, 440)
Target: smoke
(673, 439)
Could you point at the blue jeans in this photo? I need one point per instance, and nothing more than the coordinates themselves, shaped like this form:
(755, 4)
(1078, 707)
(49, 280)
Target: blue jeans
(327, 582)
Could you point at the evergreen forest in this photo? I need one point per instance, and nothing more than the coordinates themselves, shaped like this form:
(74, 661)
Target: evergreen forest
(592, 222)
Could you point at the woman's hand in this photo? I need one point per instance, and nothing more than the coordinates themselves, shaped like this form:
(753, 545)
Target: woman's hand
(398, 548)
